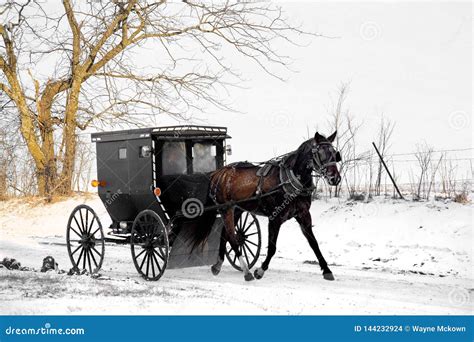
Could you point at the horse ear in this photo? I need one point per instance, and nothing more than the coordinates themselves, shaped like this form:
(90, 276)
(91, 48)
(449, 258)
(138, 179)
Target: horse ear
(332, 137)
(318, 138)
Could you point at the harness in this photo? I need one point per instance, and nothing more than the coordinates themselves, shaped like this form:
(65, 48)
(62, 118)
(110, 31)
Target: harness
(289, 182)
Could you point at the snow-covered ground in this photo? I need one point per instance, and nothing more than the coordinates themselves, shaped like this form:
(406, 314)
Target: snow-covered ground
(388, 257)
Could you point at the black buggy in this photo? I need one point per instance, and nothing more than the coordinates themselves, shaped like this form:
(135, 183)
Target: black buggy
(154, 184)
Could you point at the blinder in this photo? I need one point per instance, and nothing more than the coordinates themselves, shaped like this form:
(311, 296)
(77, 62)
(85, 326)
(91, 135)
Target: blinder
(321, 160)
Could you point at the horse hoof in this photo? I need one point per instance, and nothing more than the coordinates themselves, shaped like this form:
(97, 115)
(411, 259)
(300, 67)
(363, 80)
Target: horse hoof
(328, 276)
(257, 274)
(249, 277)
(215, 270)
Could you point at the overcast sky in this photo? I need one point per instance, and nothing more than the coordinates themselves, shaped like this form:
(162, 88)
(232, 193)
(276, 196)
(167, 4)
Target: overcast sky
(411, 61)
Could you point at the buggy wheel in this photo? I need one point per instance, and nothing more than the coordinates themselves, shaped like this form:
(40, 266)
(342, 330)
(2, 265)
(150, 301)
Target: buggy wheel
(85, 239)
(249, 239)
(150, 245)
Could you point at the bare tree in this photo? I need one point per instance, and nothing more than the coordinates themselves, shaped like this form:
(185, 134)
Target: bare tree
(434, 172)
(346, 126)
(83, 166)
(89, 50)
(385, 132)
(4, 155)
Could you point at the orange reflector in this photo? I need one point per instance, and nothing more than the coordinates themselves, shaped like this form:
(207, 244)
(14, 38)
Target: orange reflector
(96, 183)
(157, 192)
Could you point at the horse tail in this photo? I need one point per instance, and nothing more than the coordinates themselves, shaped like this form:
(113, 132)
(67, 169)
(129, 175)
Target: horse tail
(203, 225)
(201, 230)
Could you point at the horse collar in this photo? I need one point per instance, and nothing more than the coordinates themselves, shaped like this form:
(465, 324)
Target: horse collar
(292, 184)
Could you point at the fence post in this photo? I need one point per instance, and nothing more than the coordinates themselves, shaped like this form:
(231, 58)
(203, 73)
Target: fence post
(386, 169)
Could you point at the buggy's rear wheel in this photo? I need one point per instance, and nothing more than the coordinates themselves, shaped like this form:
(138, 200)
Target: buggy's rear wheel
(150, 245)
(249, 239)
(85, 239)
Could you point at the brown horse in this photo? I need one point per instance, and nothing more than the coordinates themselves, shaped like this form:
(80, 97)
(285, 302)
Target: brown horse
(284, 192)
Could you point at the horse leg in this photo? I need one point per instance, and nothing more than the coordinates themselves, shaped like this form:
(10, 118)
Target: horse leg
(229, 225)
(304, 219)
(216, 268)
(273, 231)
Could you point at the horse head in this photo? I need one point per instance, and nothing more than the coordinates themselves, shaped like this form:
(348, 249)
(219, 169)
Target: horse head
(325, 158)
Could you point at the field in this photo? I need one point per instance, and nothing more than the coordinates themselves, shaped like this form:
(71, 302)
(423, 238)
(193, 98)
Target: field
(388, 257)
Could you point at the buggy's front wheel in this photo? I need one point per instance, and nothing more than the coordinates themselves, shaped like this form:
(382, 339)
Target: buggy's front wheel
(149, 244)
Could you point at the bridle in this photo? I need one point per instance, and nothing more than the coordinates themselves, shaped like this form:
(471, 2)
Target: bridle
(320, 160)
(319, 164)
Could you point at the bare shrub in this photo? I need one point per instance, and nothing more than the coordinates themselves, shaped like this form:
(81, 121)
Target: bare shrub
(424, 156)
(461, 198)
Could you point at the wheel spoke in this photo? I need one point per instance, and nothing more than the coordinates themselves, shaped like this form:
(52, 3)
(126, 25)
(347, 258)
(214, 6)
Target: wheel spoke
(89, 261)
(78, 225)
(251, 243)
(75, 231)
(246, 247)
(100, 254)
(250, 225)
(93, 259)
(79, 259)
(246, 217)
(90, 226)
(143, 251)
(247, 235)
(95, 231)
(143, 261)
(246, 256)
(87, 221)
(147, 264)
(152, 266)
(76, 249)
(84, 260)
(82, 221)
(161, 254)
(157, 263)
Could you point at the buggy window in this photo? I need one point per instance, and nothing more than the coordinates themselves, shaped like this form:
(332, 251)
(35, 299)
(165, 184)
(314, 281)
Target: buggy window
(204, 157)
(123, 153)
(174, 158)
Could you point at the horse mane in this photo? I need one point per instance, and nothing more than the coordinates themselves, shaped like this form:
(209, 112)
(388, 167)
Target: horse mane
(289, 160)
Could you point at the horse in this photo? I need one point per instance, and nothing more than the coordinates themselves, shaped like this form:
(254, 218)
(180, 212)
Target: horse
(283, 191)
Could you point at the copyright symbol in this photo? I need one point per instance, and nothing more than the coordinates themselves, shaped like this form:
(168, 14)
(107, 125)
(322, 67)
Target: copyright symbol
(369, 30)
(192, 208)
(458, 120)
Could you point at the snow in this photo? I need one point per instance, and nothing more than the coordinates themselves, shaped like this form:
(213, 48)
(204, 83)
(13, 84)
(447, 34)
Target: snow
(388, 257)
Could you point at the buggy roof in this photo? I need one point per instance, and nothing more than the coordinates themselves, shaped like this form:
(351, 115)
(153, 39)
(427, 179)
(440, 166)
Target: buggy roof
(166, 133)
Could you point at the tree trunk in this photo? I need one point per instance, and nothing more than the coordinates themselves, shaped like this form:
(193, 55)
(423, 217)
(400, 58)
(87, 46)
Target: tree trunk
(69, 136)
